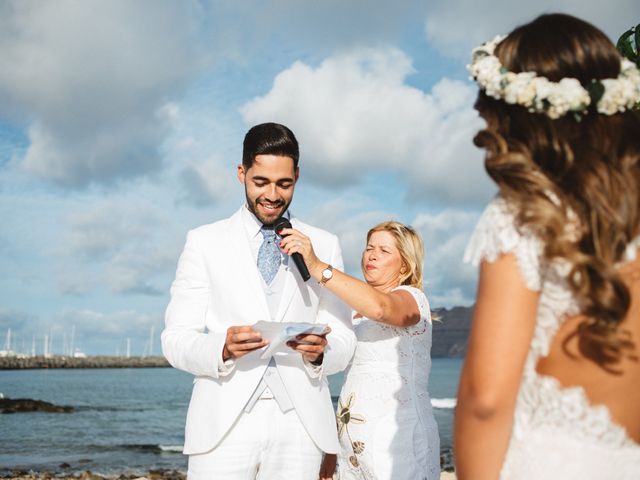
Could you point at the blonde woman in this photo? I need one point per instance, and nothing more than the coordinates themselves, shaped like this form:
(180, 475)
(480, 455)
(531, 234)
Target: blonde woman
(385, 422)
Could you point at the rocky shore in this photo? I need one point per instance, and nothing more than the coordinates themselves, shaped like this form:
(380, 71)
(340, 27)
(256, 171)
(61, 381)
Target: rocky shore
(21, 363)
(151, 475)
(88, 475)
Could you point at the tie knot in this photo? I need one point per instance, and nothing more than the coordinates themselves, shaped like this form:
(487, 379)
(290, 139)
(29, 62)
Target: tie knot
(267, 232)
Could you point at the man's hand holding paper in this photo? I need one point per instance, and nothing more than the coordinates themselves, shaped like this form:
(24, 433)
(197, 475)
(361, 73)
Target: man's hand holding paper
(240, 341)
(306, 338)
(311, 345)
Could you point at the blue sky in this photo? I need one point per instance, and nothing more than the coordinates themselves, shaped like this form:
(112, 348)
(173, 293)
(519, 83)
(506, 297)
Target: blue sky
(121, 124)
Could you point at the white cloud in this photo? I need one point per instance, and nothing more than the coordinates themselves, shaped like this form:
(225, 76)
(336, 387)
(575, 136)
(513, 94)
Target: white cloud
(15, 320)
(348, 218)
(355, 115)
(90, 78)
(448, 281)
(207, 182)
(126, 249)
(107, 227)
(123, 322)
(317, 26)
(456, 26)
(142, 270)
(202, 152)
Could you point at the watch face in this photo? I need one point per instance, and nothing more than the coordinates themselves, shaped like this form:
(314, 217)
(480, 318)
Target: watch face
(327, 274)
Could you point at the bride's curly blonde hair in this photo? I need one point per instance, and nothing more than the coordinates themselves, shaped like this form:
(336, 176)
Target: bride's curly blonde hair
(574, 182)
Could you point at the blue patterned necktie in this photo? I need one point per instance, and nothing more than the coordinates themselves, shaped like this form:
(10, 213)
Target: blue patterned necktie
(268, 255)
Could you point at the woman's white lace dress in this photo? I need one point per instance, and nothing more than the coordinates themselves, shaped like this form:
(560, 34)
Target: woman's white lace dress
(386, 426)
(556, 432)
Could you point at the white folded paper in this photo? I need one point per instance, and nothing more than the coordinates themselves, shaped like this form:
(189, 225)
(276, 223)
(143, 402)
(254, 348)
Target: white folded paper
(279, 333)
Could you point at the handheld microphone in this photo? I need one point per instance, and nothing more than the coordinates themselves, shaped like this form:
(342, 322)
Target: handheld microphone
(278, 225)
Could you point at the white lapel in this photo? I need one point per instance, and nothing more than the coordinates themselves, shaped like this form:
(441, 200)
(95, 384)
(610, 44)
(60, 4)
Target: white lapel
(246, 265)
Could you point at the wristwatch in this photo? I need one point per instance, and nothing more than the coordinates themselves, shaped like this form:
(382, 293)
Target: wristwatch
(327, 274)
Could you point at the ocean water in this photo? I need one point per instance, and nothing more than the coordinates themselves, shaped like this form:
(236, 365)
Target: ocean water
(130, 420)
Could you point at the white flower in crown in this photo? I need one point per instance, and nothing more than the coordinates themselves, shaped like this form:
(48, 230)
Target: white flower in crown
(567, 95)
(487, 70)
(608, 104)
(555, 99)
(543, 89)
(520, 89)
(621, 93)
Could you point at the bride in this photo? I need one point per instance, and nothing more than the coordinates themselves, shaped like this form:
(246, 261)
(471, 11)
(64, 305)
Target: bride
(385, 422)
(550, 386)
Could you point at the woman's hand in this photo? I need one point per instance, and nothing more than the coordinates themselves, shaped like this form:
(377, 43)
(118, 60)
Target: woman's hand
(328, 467)
(294, 241)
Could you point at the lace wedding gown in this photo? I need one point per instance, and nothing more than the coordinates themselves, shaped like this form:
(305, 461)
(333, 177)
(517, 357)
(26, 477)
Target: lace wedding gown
(385, 423)
(556, 432)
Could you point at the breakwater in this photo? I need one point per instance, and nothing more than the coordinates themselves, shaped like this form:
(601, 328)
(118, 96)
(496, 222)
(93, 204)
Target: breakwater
(24, 363)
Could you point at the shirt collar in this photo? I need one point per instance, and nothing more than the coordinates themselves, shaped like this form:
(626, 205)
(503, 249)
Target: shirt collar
(251, 223)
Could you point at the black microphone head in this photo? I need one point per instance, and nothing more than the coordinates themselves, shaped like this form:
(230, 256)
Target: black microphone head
(281, 223)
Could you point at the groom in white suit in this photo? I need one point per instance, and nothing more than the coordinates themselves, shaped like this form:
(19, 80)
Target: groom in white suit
(251, 417)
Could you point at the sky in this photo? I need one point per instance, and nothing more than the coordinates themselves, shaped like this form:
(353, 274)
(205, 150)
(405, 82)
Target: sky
(121, 126)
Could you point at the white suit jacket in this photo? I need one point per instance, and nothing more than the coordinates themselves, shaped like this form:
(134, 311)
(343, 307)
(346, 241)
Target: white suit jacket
(217, 285)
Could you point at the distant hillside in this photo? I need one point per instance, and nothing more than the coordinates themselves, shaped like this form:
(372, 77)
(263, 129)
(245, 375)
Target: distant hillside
(451, 333)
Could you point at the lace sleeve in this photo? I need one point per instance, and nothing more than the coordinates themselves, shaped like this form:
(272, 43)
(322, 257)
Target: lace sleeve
(421, 300)
(496, 233)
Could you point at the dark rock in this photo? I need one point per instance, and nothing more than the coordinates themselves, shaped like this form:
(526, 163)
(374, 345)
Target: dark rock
(20, 405)
(88, 475)
(446, 460)
(64, 465)
(156, 474)
(18, 472)
(162, 474)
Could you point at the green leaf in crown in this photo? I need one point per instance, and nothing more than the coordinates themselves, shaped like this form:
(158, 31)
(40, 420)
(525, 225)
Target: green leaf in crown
(628, 45)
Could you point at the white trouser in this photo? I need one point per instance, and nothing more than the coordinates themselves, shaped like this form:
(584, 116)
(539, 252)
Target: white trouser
(263, 444)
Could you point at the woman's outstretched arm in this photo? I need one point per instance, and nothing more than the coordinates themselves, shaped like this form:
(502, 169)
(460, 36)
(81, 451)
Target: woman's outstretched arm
(396, 308)
(503, 323)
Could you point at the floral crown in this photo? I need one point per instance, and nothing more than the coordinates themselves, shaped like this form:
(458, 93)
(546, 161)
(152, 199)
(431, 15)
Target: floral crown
(555, 99)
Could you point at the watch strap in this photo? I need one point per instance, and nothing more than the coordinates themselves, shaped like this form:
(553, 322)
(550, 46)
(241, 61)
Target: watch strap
(324, 279)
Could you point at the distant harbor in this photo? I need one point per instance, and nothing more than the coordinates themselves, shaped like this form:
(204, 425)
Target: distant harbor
(450, 337)
(19, 362)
